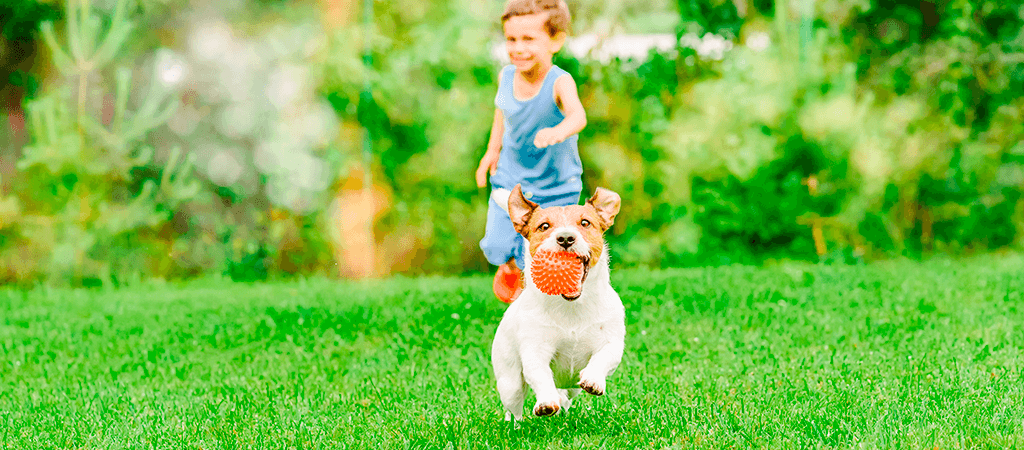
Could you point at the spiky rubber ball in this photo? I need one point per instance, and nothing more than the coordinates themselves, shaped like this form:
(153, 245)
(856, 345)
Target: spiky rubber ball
(557, 273)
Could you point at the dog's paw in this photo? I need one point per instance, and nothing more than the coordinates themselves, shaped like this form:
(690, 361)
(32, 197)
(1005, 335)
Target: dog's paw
(546, 409)
(593, 387)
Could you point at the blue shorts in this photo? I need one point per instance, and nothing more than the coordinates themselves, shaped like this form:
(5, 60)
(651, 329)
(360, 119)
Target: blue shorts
(501, 240)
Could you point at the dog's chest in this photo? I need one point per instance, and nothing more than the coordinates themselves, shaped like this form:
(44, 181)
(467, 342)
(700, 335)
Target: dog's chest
(573, 351)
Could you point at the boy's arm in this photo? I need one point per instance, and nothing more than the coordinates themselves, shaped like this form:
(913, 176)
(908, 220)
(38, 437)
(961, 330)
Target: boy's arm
(489, 163)
(575, 116)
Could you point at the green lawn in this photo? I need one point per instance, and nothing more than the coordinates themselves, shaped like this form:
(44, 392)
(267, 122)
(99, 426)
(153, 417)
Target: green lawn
(890, 355)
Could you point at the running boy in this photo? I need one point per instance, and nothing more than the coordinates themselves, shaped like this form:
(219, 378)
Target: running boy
(533, 137)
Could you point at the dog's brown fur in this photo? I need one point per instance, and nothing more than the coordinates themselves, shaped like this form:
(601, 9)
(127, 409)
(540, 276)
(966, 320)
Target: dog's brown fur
(591, 219)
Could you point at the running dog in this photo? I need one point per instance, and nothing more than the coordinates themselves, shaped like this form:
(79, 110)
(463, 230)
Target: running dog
(560, 344)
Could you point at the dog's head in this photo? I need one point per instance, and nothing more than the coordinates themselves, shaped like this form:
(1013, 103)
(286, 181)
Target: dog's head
(578, 229)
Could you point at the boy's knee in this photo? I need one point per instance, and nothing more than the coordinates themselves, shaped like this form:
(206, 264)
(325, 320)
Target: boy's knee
(498, 252)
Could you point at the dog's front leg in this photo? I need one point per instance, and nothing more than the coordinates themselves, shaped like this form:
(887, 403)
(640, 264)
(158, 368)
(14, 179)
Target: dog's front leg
(537, 373)
(602, 363)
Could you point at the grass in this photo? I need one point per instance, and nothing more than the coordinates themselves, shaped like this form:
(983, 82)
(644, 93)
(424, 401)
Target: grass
(891, 355)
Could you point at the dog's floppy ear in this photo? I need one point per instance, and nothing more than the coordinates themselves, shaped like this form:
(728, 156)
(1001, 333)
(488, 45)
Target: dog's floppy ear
(607, 204)
(520, 209)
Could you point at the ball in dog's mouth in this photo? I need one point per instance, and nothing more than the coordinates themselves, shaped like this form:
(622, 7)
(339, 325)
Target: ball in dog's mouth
(560, 273)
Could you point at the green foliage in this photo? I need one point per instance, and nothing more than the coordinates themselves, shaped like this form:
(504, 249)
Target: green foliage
(906, 116)
(903, 167)
(81, 213)
(424, 110)
(19, 25)
(25, 80)
(250, 267)
(20, 19)
(710, 16)
(893, 355)
(714, 157)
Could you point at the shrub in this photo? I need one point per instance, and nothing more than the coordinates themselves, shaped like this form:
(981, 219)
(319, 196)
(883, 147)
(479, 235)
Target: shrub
(88, 199)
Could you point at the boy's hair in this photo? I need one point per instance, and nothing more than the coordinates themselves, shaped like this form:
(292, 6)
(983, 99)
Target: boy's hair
(558, 13)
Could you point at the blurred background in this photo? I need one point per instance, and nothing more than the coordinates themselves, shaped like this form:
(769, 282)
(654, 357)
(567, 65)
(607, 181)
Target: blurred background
(259, 139)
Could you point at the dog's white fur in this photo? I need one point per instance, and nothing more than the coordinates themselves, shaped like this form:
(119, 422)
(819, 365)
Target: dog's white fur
(556, 346)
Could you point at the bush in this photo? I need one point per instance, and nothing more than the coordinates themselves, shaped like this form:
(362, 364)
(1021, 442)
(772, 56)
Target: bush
(847, 130)
(88, 199)
(715, 158)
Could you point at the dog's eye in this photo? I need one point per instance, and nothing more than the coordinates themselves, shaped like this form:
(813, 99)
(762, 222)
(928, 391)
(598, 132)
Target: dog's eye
(585, 223)
(544, 226)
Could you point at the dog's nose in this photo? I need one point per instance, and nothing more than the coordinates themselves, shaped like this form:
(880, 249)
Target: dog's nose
(566, 240)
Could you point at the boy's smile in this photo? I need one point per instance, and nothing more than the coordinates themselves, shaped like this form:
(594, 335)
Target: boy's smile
(529, 45)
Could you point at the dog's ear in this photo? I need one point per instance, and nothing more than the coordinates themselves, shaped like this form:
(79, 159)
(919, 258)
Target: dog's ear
(520, 209)
(607, 204)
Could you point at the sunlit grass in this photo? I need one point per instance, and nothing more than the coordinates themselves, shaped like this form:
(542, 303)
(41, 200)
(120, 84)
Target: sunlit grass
(892, 355)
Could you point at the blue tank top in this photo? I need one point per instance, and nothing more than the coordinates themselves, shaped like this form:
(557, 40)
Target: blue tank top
(550, 174)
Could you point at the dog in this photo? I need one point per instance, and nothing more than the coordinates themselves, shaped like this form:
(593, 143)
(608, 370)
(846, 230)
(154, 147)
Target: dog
(560, 344)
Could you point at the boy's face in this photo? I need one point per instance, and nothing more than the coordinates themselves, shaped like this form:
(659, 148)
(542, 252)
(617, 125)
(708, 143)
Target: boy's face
(528, 43)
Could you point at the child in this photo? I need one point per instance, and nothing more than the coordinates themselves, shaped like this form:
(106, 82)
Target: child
(533, 137)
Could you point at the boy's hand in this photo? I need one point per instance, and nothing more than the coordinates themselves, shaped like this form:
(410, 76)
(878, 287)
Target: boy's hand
(548, 136)
(488, 165)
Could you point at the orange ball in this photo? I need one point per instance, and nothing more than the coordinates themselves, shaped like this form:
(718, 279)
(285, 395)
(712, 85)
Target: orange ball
(557, 273)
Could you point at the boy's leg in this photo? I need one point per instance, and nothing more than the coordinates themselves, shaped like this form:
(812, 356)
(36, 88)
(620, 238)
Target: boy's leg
(502, 246)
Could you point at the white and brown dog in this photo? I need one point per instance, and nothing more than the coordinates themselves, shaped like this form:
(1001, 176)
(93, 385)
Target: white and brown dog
(560, 344)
